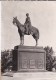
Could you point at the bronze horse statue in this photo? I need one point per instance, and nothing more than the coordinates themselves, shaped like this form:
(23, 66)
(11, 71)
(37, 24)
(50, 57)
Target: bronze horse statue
(21, 30)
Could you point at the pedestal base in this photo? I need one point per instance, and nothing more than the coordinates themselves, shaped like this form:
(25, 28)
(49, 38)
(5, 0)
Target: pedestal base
(29, 58)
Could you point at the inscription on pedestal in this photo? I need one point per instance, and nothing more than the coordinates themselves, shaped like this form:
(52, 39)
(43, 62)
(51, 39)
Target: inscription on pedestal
(40, 64)
(24, 64)
(32, 64)
(31, 60)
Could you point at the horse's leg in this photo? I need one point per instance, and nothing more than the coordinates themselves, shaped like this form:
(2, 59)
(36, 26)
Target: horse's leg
(36, 42)
(22, 39)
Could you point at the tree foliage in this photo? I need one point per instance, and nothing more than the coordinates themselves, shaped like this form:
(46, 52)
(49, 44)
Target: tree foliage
(6, 60)
(49, 59)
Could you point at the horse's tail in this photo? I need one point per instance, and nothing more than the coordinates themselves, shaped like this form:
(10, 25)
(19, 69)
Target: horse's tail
(37, 33)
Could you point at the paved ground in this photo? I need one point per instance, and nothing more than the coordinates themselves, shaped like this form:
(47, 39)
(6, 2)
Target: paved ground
(31, 76)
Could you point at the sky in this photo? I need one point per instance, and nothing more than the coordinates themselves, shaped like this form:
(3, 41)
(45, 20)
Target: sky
(42, 15)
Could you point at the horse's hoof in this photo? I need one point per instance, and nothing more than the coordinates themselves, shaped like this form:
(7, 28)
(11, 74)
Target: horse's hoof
(35, 45)
(21, 44)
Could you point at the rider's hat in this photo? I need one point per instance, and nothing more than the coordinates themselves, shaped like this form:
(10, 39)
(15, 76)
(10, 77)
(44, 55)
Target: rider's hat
(27, 14)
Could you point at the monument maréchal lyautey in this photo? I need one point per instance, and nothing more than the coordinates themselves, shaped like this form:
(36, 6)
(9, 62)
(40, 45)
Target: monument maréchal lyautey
(28, 58)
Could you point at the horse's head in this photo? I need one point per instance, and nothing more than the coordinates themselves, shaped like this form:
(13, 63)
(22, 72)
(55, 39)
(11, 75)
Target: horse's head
(14, 20)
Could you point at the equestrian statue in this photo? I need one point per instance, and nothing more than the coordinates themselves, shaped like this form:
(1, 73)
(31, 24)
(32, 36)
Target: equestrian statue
(26, 29)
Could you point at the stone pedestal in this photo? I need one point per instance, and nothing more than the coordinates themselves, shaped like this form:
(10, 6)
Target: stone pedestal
(29, 58)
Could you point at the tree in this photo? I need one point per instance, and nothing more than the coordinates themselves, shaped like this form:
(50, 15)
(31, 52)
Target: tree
(49, 59)
(6, 60)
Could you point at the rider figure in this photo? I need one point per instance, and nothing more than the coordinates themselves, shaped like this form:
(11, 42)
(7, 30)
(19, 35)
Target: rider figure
(27, 24)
